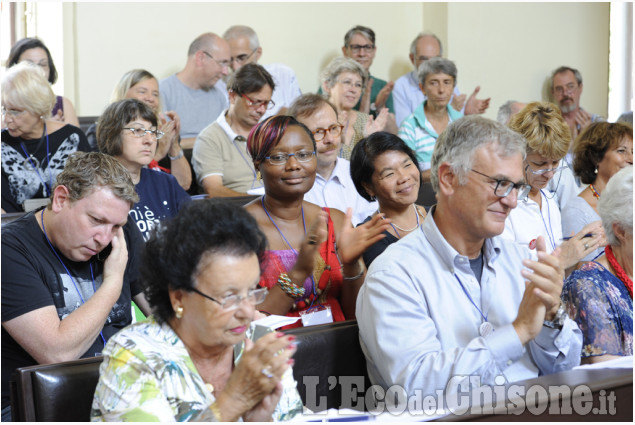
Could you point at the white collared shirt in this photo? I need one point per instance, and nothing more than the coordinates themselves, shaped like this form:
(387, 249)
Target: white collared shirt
(418, 328)
(339, 192)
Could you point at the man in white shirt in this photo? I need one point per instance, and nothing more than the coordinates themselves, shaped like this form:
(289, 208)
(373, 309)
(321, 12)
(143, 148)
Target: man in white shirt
(407, 94)
(452, 305)
(245, 48)
(333, 187)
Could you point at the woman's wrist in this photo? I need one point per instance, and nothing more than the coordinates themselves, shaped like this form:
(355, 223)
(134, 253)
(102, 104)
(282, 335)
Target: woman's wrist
(353, 271)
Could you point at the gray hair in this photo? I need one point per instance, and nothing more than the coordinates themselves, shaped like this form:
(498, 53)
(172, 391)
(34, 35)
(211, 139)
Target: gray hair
(505, 112)
(460, 140)
(436, 66)
(413, 45)
(342, 64)
(239, 31)
(564, 69)
(359, 29)
(616, 204)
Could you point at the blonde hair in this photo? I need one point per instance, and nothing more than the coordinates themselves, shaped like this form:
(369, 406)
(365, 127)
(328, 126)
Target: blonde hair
(128, 81)
(25, 86)
(544, 128)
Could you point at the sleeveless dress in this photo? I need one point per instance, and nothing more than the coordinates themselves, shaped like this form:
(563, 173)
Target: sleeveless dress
(327, 275)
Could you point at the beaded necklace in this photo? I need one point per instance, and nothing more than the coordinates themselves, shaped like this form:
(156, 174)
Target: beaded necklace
(619, 271)
(395, 227)
(594, 192)
(313, 296)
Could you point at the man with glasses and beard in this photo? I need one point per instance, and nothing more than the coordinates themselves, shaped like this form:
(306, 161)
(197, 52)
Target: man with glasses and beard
(220, 159)
(192, 92)
(566, 89)
(245, 48)
(453, 306)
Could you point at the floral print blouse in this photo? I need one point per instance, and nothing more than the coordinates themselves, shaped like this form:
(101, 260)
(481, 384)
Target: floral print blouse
(603, 309)
(148, 375)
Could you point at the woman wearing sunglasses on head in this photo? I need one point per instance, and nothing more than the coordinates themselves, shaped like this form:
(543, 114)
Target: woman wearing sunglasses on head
(538, 214)
(128, 131)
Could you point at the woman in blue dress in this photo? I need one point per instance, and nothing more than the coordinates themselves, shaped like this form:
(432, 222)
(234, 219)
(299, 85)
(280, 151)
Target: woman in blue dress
(599, 295)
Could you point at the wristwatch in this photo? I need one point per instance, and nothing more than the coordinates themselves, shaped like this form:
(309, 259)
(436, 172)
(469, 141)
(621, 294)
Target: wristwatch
(558, 319)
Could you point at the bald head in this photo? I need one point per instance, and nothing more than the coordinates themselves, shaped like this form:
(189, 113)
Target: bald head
(424, 47)
(204, 42)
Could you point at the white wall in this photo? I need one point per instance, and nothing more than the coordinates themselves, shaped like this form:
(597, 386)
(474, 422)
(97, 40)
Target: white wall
(508, 48)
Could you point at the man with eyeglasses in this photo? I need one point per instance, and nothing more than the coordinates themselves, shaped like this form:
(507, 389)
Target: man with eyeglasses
(453, 306)
(333, 187)
(69, 270)
(220, 159)
(408, 96)
(193, 92)
(245, 48)
(566, 89)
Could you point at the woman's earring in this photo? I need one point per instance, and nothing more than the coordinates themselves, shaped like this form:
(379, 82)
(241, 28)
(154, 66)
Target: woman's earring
(178, 312)
(258, 175)
(596, 170)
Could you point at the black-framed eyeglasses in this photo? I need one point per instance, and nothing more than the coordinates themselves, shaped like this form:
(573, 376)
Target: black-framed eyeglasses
(140, 132)
(269, 104)
(505, 187)
(223, 64)
(231, 302)
(356, 48)
(334, 131)
(240, 59)
(282, 158)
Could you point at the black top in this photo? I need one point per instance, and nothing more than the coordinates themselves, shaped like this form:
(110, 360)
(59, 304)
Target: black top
(23, 179)
(378, 247)
(33, 277)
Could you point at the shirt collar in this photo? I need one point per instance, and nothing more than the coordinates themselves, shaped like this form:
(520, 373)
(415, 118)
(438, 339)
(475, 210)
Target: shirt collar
(446, 253)
(222, 121)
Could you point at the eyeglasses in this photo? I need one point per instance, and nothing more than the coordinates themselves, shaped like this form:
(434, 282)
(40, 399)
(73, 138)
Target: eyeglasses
(334, 131)
(356, 48)
(269, 104)
(505, 187)
(242, 58)
(231, 302)
(350, 84)
(140, 132)
(223, 64)
(282, 158)
(569, 88)
(12, 112)
(545, 170)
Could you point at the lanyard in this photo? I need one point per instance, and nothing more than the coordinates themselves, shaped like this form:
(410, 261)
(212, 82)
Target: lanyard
(548, 228)
(250, 165)
(32, 160)
(69, 273)
(470, 298)
(262, 201)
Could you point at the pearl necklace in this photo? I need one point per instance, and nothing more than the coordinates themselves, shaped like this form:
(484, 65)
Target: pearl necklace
(417, 213)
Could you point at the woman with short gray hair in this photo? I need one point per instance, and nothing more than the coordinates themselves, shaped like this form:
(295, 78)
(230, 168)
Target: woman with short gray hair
(343, 81)
(421, 129)
(599, 296)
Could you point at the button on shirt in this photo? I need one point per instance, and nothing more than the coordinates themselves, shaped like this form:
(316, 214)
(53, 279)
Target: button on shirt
(418, 329)
(339, 192)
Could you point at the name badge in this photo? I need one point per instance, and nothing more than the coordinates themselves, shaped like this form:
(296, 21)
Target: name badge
(317, 316)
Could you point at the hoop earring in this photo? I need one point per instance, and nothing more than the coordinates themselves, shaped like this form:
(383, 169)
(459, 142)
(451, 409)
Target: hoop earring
(178, 312)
